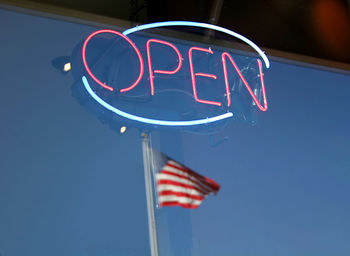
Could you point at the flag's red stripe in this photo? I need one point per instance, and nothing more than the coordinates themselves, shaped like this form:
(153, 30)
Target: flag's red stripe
(163, 182)
(180, 194)
(187, 178)
(184, 169)
(173, 203)
(212, 184)
(206, 180)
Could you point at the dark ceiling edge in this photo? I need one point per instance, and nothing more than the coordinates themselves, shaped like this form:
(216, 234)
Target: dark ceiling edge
(60, 13)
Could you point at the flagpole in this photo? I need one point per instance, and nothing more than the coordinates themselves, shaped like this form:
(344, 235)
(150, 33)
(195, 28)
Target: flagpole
(149, 194)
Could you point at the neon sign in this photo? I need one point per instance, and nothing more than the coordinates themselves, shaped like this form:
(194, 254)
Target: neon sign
(194, 74)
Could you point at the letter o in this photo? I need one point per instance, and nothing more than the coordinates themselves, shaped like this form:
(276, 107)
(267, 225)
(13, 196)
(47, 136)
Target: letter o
(133, 46)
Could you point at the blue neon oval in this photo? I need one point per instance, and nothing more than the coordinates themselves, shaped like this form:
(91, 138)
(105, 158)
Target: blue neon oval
(200, 25)
(149, 120)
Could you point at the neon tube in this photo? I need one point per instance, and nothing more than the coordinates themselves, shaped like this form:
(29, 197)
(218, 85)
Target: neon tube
(129, 41)
(151, 78)
(152, 121)
(193, 76)
(206, 75)
(200, 25)
(225, 54)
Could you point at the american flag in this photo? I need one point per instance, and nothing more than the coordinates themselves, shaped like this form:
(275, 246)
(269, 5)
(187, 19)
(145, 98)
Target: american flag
(177, 185)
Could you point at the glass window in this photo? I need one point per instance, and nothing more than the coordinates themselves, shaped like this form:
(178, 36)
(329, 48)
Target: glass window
(72, 178)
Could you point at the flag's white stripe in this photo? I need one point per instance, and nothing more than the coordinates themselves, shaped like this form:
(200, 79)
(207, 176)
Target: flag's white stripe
(183, 200)
(200, 184)
(175, 188)
(197, 176)
(177, 171)
(163, 176)
(176, 164)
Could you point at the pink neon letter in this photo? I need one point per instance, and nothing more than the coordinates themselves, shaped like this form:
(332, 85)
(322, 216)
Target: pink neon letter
(151, 71)
(132, 45)
(193, 76)
(225, 54)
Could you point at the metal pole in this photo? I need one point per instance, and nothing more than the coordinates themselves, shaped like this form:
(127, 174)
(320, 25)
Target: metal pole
(214, 17)
(146, 150)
